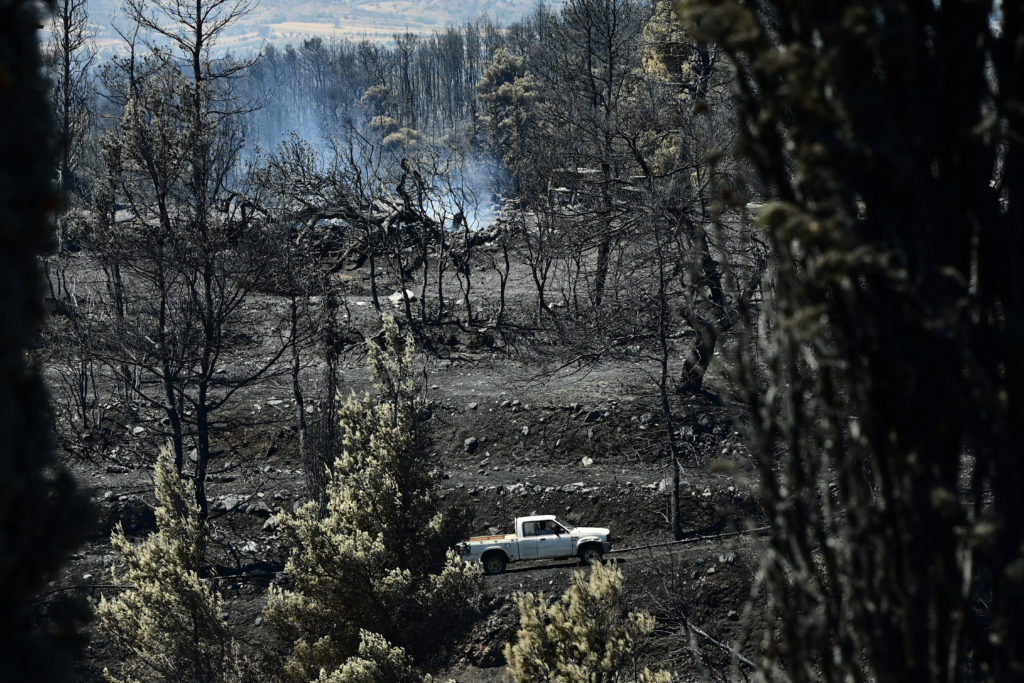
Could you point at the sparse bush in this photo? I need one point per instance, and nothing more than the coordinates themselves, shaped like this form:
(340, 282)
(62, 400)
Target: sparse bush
(165, 624)
(376, 561)
(586, 636)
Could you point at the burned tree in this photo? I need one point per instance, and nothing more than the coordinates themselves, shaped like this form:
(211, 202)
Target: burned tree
(189, 249)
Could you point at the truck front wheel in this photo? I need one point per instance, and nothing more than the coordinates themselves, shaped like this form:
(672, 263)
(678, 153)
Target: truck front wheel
(590, 554)
(494, 563)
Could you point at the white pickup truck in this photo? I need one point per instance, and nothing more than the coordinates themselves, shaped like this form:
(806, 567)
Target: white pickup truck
(537, 537)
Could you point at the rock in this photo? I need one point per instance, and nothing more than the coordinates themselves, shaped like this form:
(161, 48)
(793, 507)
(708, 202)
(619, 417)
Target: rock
(516, 403)
(272, 523)
(250, 547)
(259, 508)
(646, 418)
(135, 516)
(506, 404)
(733, 615)
(274, 402)
(525, 430)
(664, 485)
(558, 443)
(138, 431)
(473, 406)
(470, 444)
(108, 495)
(712, 570)
(587, 461)
(193, 455)
(396, 298)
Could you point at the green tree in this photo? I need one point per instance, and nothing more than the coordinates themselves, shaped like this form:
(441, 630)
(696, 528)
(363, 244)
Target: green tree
(165, 624)
(43, 516)
(508, 93)
(377, 560)
(585, 637)
(888, 433)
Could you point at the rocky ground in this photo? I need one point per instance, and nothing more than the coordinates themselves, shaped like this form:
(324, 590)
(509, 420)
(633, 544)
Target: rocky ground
(509, 440)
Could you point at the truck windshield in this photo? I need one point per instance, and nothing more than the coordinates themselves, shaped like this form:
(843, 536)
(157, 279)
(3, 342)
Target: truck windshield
(568, 527)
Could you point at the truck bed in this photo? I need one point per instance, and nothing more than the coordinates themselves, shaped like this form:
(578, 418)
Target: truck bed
(498, 537)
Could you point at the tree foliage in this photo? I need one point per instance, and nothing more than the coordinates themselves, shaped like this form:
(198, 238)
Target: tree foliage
(889, 430)
(376, 561)
(585, 637)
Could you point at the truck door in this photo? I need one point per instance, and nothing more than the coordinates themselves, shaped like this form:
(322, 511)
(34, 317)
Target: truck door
(553, 541)
(528, 541)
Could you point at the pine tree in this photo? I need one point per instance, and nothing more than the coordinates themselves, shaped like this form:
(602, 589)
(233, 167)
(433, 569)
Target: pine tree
(585, 637)
(43, 517)
(376, 561)
(165, 624)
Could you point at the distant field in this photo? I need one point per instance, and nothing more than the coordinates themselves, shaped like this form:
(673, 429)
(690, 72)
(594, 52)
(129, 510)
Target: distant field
(281, 22)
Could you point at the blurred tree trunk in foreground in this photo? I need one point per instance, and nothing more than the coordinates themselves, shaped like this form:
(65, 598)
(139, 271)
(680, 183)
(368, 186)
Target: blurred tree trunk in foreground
(41, 515)
(891, 134)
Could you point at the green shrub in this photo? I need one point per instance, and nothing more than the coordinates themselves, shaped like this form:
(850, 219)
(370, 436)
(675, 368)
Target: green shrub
(585, 637)
(165, 624)
(375, 565)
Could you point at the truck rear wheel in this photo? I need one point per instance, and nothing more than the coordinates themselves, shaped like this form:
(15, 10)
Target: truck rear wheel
(590, 554)
(494, 563)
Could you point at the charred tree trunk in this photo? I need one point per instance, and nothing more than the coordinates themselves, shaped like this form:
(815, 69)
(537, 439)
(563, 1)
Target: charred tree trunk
(663, 388)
